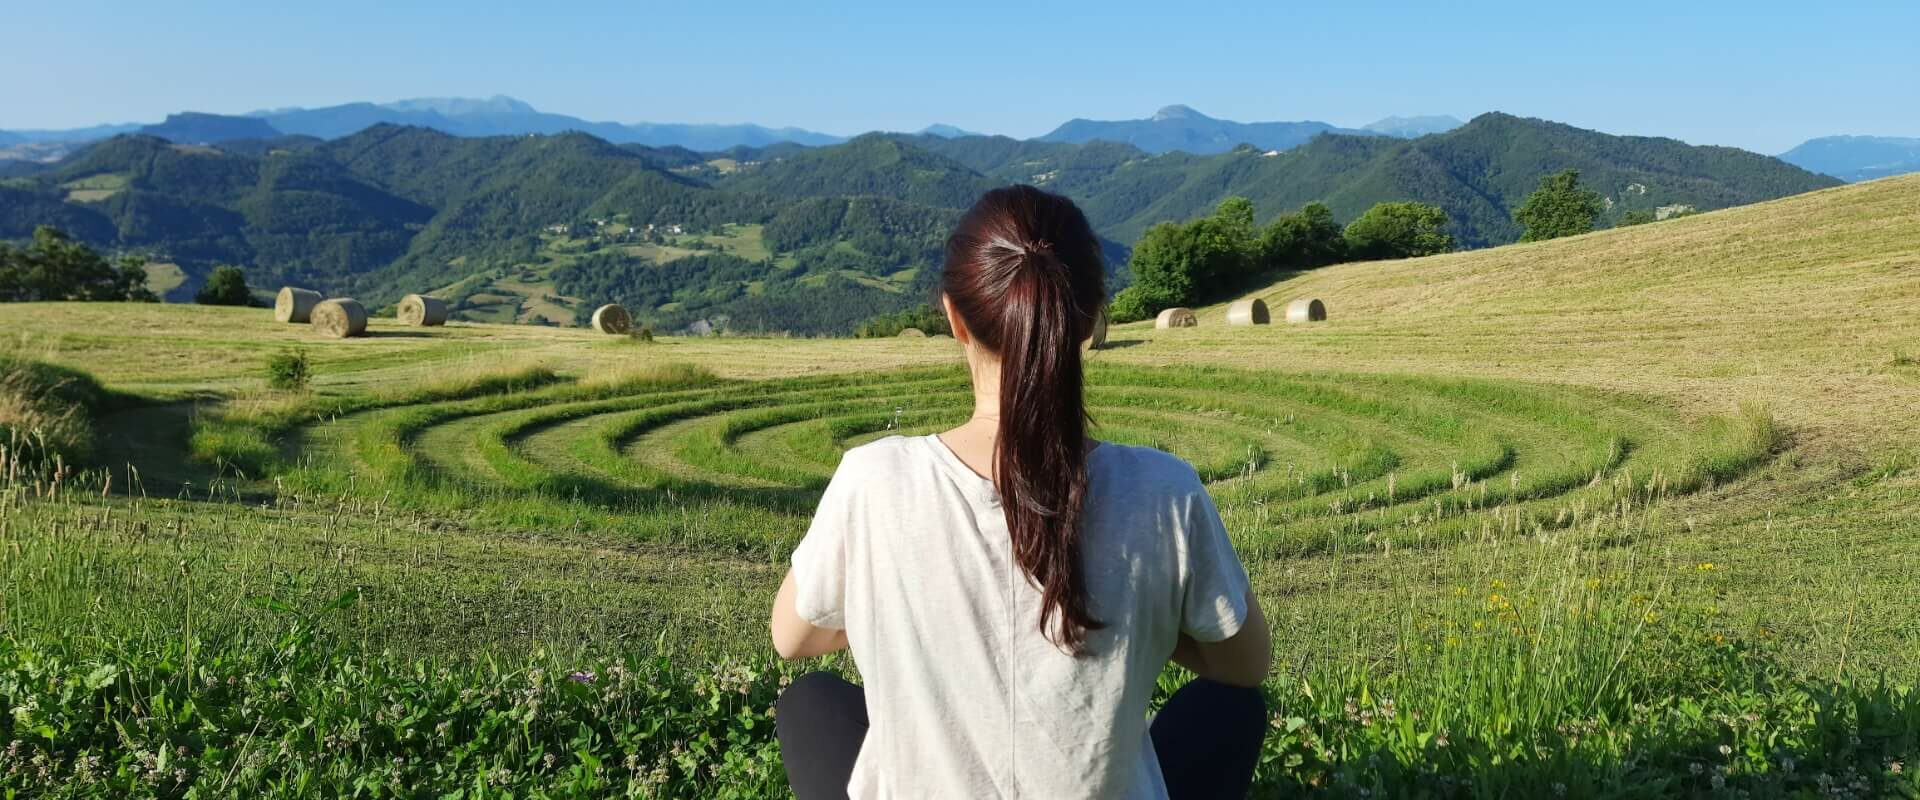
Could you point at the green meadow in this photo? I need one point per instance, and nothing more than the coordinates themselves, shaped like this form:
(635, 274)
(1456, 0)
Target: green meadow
(1628, 514)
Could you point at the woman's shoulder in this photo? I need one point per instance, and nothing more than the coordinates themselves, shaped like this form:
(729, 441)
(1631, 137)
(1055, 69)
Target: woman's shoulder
(1145, 465)
(884, 454)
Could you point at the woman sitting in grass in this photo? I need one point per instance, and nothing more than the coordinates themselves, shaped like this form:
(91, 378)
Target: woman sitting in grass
(1011, 588)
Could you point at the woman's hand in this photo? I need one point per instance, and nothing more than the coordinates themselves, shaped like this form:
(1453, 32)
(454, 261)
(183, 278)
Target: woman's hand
(795, 638)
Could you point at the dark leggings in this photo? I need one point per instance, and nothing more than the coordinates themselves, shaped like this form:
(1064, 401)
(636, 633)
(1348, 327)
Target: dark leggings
(1208, 737)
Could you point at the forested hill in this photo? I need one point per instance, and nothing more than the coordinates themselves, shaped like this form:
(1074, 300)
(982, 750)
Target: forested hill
(810, 240)
(1478, 173)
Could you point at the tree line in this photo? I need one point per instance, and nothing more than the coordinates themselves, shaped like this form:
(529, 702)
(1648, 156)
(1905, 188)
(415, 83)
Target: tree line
(55, 267)
(1214, 257)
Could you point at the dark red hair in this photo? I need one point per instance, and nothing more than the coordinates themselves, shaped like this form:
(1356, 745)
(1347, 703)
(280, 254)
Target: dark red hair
(1024, 273)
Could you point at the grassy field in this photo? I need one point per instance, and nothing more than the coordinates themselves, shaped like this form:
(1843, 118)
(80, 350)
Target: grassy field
(95, 188)
(1635, 513)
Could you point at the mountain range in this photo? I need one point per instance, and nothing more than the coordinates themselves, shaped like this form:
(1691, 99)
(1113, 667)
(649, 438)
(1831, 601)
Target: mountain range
(776, 238)
(494, 116)
(1172, 128)
(1413, 127)
(1178, 127)
(1857, 158)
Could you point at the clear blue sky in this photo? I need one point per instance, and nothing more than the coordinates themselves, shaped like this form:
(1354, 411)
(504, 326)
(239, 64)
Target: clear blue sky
(1758, 74)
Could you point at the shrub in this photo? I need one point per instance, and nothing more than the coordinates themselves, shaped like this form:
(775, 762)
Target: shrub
(289, 371)
(227, 286)
(1127, 306)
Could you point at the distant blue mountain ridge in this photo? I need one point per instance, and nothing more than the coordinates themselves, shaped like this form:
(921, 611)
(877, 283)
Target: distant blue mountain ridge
(1179, 127)
(1856, 158)
(1175, 127)
(1414, 127)
(494, 116)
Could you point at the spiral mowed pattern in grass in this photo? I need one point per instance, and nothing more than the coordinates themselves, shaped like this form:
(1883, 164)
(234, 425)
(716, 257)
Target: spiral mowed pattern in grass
(1298, 462)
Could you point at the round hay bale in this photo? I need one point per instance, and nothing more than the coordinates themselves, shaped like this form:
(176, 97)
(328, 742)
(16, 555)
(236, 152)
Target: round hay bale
(294, 304)
(612, 318)
(420, 310)
(1306, 309)
(1099, 336)
(1176, 317)
(1252, 311)
(340, 318)
(911, 333)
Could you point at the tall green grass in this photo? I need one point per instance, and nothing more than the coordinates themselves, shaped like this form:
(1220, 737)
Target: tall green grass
(136, 663)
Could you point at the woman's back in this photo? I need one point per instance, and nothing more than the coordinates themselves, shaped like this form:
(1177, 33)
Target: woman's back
(909, 553)
(1010, 627)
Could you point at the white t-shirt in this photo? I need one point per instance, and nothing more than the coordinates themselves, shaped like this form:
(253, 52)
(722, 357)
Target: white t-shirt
(909, 553)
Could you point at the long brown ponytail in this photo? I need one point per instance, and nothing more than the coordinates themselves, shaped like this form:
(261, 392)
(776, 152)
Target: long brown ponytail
(1024, 272)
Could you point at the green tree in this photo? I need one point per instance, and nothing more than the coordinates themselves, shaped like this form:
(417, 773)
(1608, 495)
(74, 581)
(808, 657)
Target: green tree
(55, 267)
(1560, 207)
(1235, 217)
(1300, 240)
(1231, 239)
(1163, 271)
(227, 286)
(1398, 230)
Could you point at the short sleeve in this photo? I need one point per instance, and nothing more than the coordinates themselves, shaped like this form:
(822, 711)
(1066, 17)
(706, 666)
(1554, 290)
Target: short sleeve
(1215, 605)
(820, 560)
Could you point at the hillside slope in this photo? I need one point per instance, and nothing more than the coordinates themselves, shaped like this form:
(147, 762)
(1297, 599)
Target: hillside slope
(1809, 304)
(391, 209)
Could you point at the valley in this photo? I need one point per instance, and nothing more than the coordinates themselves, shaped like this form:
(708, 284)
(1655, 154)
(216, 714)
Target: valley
(845, 231)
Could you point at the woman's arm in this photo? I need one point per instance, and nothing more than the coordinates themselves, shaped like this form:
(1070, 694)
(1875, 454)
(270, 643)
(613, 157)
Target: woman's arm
(795, 638)
(1242, 659)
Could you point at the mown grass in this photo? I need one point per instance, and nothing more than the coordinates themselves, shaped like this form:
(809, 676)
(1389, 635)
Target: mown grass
(1681, 450)
(1398, 461)
(247, 438)
(551, 466)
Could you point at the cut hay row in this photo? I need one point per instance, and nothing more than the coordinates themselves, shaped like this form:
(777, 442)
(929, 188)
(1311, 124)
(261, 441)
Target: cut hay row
(1318, 459)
